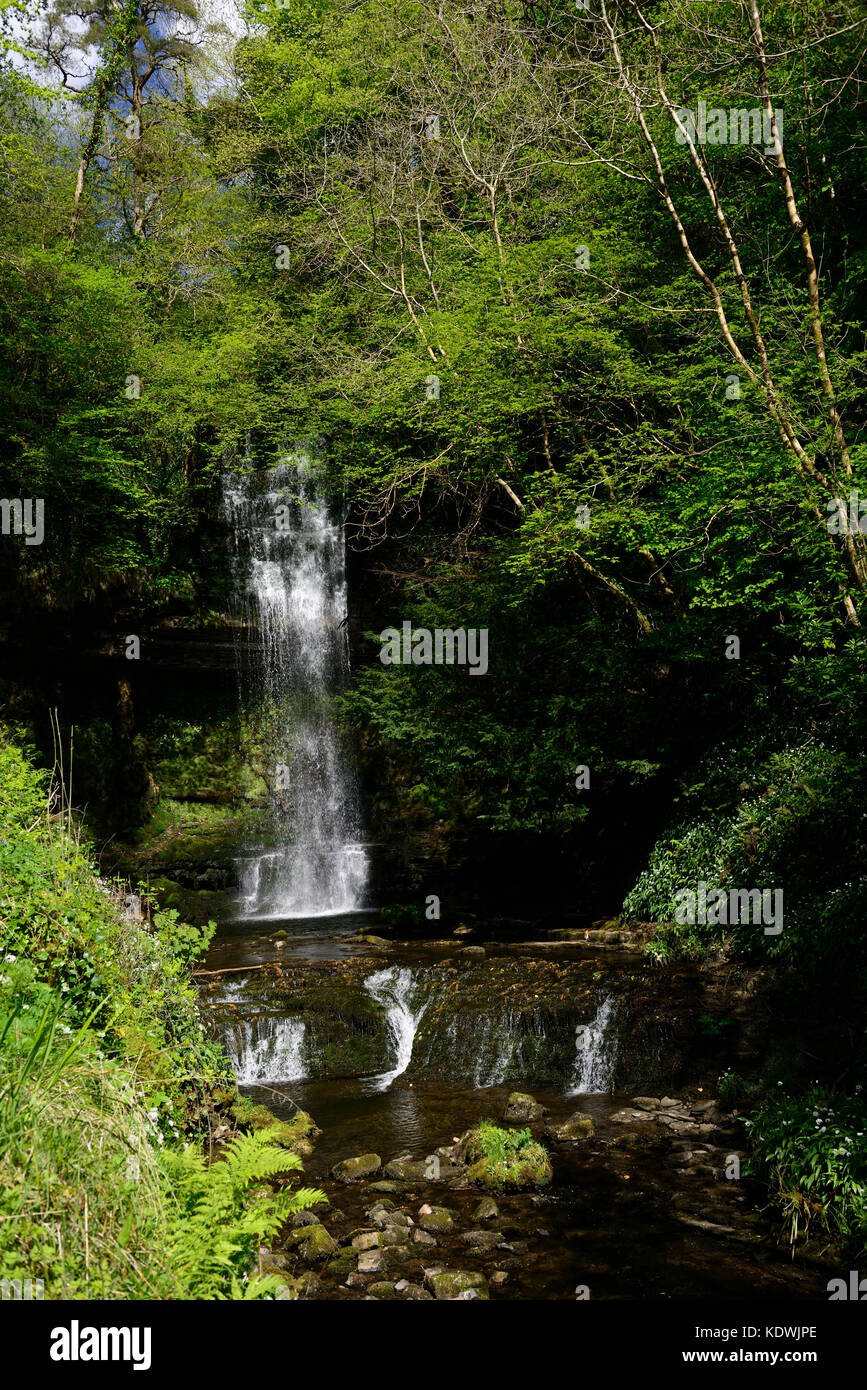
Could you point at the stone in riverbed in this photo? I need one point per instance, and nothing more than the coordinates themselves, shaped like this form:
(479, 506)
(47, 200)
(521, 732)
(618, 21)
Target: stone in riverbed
(423, 1237)
(436, 1219)
(382, 1289)
(370, 1262)
(453, 1284)
(355, 1169)
(318, 1244)
(522, 1107)
(303, 1218)
(481, 1240)
(366, 1240)
(345, 1262)
(406, 1168)
(394, 1235)
(573, 1130)
(385, 1186)
(487, 1210)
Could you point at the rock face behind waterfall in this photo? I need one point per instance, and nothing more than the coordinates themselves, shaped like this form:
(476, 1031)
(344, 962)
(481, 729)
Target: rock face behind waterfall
(289, 580)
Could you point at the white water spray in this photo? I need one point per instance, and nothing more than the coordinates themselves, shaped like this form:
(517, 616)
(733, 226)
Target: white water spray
(289, 570)
(595, 1053)
(394, 989)
(265, 1049)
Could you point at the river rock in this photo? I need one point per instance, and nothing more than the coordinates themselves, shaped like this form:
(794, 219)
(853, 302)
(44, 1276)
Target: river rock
(435, 1219)
(499, 1277)
(406, 1168)
(366, 1240)
(370, 1262)
(521, 1108)
(345, 1262)
(385, 1186)
(303, 1218)
(574, 1130)
(423, 1237)
(270, 1260)
(453, 1284)
(382, 1289)
(394, 1235)
(318, 1245)
(354, 1169)
(487, 1210)
(481, 1240)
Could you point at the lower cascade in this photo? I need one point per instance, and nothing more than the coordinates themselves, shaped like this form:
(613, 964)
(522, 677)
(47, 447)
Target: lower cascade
(595, 1053)
(265, 1049)
(394, 989)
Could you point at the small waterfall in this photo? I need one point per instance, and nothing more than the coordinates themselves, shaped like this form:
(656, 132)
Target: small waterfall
(394, 988)
(266, 1049)
(289, 575)
(595, 1053)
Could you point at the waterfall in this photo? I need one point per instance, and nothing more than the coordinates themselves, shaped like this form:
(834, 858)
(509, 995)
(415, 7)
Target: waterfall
(267, 1049)
(394, 988)
(289, 575)
(595, 1053)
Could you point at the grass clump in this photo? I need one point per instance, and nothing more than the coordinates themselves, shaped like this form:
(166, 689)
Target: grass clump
(501, 1158)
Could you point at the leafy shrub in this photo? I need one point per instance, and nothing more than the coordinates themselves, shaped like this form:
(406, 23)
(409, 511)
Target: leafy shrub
(103, 1068)
(781, 826)
(812, 1150)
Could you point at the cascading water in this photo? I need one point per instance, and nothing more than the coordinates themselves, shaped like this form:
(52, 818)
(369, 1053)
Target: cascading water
(394, 989)
(290, 575)
(267, 1049)
(595, 1053)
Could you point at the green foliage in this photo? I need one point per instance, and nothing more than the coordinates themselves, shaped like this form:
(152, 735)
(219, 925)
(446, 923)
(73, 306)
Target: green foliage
(781, 824)
(503, 1158)
(225, 1211)
(812, 1151)
(732, 1088)
(104, 1068)
(185, 942)
(498, 1144)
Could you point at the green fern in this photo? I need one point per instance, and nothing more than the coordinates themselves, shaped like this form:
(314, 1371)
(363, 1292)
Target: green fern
(222, 1213)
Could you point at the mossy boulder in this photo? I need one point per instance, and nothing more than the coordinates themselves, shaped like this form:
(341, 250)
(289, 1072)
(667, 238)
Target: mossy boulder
(345, 1262)
(317, 1244)
(356, 1169)
(574, 1130)
(382, 1289)
(406, 1169)
(487, 1210)
(522, 1108)
(297, 1135)
(501, 1159)
(452, 1284)
(435, 1219)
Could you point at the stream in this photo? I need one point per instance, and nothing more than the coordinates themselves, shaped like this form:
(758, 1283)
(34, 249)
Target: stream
(396, 1048)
